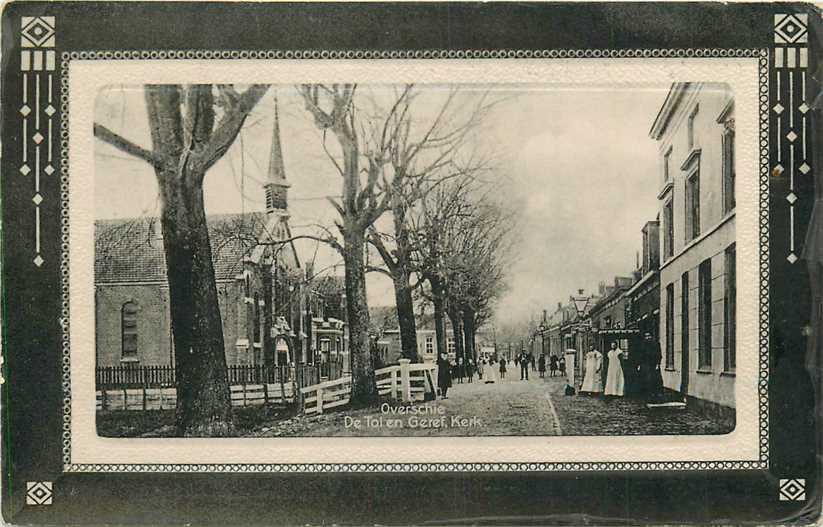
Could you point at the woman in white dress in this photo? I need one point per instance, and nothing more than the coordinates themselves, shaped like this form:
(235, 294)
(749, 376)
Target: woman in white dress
(490, 371)
(614, 375)
(591, 380)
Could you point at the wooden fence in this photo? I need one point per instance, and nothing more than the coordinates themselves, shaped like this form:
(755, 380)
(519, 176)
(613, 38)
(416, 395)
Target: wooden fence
(325, 395)
(406, 382)
(152, 387)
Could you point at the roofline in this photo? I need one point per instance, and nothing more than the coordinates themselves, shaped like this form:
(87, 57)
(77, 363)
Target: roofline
(676, 92)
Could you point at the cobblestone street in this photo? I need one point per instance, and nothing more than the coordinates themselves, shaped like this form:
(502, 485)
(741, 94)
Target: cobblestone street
(591, 415)
(510, 407)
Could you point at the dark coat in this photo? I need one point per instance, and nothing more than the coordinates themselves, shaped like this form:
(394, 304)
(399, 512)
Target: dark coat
(444, 373)
(541, 363)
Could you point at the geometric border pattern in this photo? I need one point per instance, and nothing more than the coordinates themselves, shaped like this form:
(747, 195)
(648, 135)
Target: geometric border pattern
(763, 73)
(39, 493)
(792, 490)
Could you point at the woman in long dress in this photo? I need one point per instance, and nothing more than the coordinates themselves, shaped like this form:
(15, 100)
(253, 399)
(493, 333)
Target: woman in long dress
(614, 375)
(591, 380)
(490, 373)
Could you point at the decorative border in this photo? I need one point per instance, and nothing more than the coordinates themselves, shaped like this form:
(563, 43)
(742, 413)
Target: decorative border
(791, 59)
(761, 463)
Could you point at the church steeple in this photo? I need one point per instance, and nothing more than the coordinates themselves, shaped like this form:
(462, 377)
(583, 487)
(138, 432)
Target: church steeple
(276, 184)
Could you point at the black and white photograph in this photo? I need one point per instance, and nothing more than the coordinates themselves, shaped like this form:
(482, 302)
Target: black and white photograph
(415, 260)
(410, 263)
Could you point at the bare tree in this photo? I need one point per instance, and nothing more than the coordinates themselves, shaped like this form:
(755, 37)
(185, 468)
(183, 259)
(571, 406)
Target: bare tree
(192, 127)
(422, 158)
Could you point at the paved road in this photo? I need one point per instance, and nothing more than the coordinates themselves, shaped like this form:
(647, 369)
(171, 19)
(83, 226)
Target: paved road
(509, 407)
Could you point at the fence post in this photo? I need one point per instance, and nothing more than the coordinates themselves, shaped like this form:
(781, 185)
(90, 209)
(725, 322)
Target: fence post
(319, 400)
(393, 393)
(265, 393)
(405, 381)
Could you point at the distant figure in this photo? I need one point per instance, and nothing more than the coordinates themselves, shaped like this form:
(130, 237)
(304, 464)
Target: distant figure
(532, 361)
(516, 361)
(502, 368)
(460, 370)
(552, 365)
(592, 379)
(481, 367)
(541, 366)
(561, 365)
(470, 369)
(614, 375)
(444, 378)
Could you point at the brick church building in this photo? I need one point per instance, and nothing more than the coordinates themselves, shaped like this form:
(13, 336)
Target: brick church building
(257, 270)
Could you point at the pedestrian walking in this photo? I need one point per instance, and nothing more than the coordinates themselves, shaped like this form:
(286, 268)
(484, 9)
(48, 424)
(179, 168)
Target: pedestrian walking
(444, 377)
(541, 366)
(524, 367)
(614, 375)
(552, 365)
(502, 368)
(531, 361)
(561, 365)
(470, 370)
(481, 367)
(461, 369)
(516, 361)
(592, 379)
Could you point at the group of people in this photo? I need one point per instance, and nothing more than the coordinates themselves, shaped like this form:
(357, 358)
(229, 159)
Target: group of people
(451, 370)
(644, 369)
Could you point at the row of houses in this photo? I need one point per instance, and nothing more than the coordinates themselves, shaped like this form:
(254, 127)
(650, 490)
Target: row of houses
(683, 291)
(273, 310)
(387, 337)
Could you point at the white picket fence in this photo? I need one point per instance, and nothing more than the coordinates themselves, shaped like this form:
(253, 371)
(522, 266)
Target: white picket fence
(404, 382)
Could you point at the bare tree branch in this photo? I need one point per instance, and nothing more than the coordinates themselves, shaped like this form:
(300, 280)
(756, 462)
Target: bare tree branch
(123, 144)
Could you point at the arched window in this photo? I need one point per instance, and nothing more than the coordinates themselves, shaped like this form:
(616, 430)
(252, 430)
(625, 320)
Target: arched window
(256, 321)
(128, 329)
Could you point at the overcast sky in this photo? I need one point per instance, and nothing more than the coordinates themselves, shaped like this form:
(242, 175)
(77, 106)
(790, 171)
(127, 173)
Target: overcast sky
(576, 164)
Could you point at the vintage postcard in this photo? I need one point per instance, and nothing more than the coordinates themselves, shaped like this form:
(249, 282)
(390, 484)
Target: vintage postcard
(242, 244)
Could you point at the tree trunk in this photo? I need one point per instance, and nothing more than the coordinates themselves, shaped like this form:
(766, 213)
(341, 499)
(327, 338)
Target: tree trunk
(439, 301)
(405, 315)
(364, 389)
(457, 332)
(469, 330)
(203, 398)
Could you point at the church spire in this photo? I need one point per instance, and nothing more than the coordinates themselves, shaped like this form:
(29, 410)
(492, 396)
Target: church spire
(276, 184)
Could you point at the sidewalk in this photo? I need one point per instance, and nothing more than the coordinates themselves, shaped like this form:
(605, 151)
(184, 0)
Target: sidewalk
(594, 416)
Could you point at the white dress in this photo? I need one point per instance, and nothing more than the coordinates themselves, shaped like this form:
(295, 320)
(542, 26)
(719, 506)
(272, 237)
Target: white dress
(591, 380)
(614, 376)
(489, 372)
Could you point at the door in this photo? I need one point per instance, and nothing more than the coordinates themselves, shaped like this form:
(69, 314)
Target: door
(684, 334)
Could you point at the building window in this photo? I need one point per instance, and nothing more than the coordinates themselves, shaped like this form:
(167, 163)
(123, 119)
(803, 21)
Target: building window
(730, 310)
(667, 159)
(429, 344)
(728, 166)
(693, 206)
(684, 318)
(668, 236)
(691, 131)
(256, 319)
(704, 327)
(128, 328)
(670, 326)
(450, 345)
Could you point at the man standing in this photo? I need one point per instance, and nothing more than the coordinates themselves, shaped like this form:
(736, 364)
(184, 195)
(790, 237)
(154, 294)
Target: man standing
(524, 366)
(650, 368)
